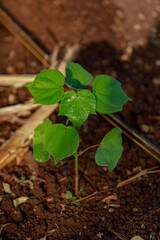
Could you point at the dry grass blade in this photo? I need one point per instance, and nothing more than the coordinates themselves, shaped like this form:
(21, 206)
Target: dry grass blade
(15, 144)
(49, 233)
(138, 175)
(16, 80)
(120, 236)
(54, 57)
(12, 118)
(7, 188)
(3, 226)
(18, 108)
(20, 200)
(154, 117)
(70, 55)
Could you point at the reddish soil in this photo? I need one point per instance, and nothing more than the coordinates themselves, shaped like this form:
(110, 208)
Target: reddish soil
(127, 49)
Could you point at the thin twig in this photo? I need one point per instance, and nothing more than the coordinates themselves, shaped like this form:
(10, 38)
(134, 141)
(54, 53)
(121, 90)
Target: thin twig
(120, 236)
(16, 80)
(154, 117)
(138, 175)
(121, 184)
(84, 198)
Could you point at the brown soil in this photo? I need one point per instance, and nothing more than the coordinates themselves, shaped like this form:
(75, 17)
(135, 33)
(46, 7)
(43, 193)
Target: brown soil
(127, 49)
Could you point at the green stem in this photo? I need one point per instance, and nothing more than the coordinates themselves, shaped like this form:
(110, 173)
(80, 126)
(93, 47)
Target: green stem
(76, 173)
(97, 145)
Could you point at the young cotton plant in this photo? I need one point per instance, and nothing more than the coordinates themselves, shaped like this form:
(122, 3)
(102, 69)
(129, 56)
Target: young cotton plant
(62, 141)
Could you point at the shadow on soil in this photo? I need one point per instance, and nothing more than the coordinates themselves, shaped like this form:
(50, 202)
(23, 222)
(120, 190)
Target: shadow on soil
(137, 73)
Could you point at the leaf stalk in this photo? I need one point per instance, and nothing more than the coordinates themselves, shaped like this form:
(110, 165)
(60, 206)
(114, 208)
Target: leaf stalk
(85, 150)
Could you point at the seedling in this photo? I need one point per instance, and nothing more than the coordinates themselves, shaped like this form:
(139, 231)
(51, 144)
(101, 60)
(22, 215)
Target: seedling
(71, 197)
(22, 178)
(61, 141)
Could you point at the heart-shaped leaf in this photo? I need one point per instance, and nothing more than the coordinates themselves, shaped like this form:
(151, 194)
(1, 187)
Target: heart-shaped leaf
(110, 149)
(39, 151)
(110, 96)
(77, 106)
(47, 87)
(77, 76)
(61, 141)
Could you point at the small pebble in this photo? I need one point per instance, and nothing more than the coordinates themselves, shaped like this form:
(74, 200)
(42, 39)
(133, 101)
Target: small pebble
(11, 54)
(128, 172)
(156, 81)
(157, 63)
(10, 69)
(143, 226)
(33, 64)
(111, 210)
(137, 169)
(120, 14)
(137, 27)
(145, 128)
(141, 16)
(135, 210)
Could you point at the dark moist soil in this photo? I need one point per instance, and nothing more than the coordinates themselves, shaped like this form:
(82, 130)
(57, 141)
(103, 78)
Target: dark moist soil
(118, 39)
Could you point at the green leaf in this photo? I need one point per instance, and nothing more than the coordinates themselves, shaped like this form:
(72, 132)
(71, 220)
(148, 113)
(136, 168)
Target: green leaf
(61, 141)
(69, 194)
(77, 106)
(74, 198)
(22, 178)
(110, 150)
(47, 87)
(77, 76)
(110, 96)
(28, 85)
(39, 150)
